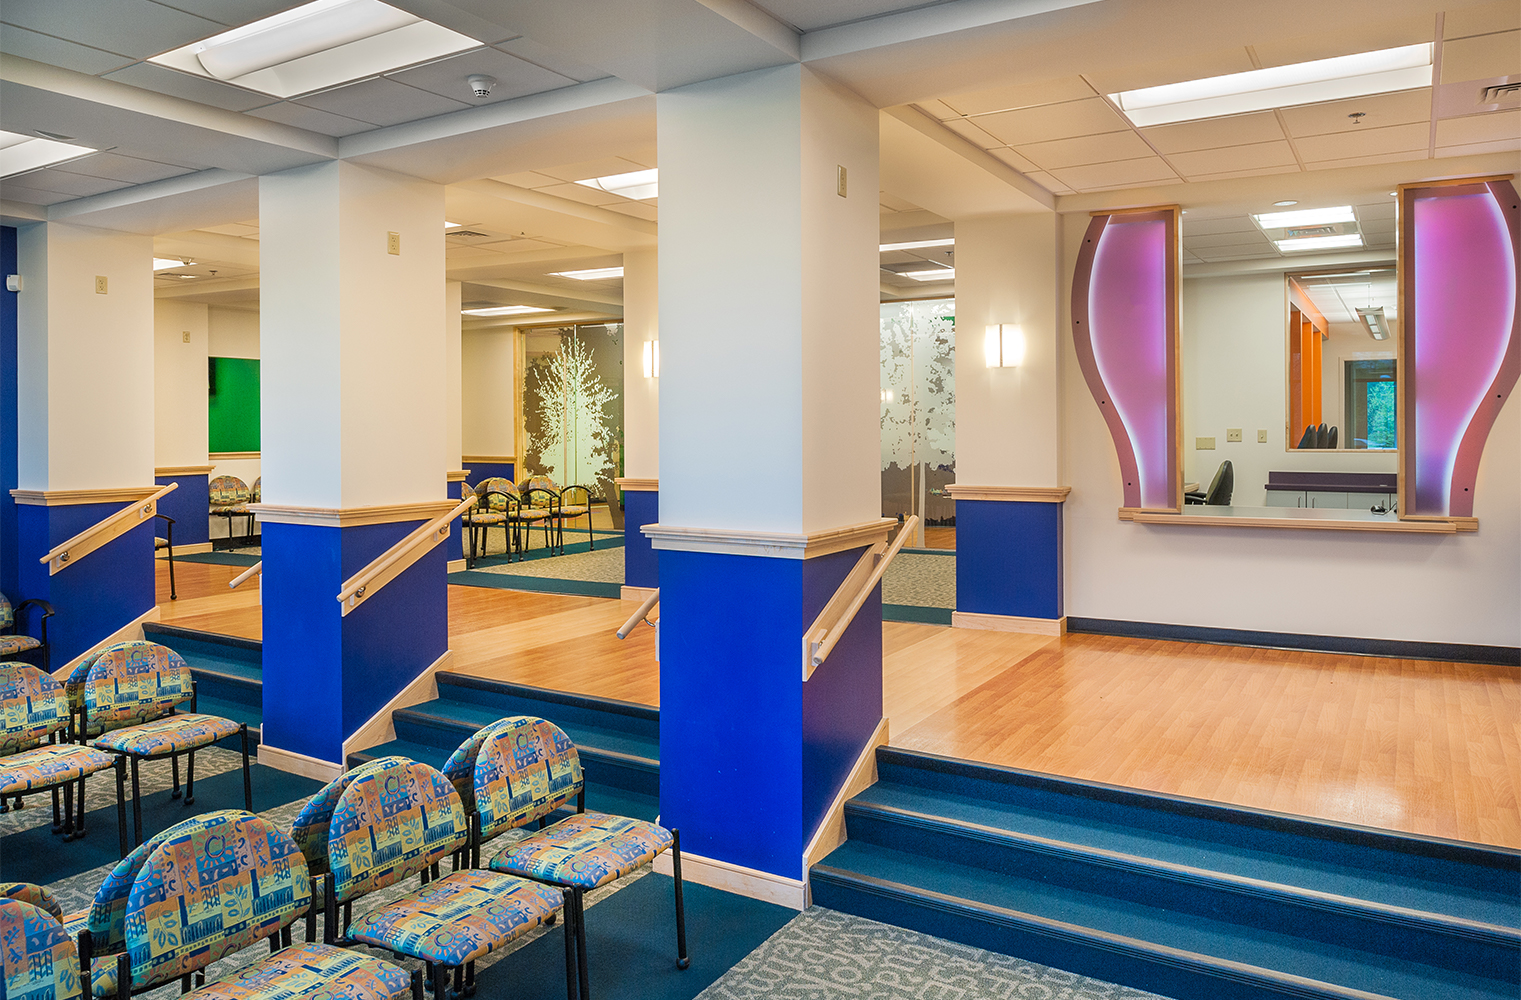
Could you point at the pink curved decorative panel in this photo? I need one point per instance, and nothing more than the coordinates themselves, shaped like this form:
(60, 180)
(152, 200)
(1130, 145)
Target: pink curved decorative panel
(1124, 326)
(1461, 355)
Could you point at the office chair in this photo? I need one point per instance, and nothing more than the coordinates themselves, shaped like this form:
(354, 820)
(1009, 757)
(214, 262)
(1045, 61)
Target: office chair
(1331, 438)
(1321, 436)
(1220, 488)
(1308, 440)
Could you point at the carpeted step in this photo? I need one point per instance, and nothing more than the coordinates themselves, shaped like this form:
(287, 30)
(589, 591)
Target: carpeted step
(638, 723)
(228, 672)
(1187, 898)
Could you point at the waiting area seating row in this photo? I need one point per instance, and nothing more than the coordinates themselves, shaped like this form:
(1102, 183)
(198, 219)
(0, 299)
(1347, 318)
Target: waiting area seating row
(222, 881)
(517, 507)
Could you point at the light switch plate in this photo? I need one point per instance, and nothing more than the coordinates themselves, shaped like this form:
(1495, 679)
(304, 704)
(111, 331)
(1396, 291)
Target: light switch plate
(1262, 437)
(393, 243)
(1233, 434)
(1204, 444)
(185, 336)
(100, 284)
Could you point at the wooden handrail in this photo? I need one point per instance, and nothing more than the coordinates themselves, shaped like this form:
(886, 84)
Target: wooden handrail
(105, 531)
(238, 580)
(394, 561)
(827, 629)
(640, 615)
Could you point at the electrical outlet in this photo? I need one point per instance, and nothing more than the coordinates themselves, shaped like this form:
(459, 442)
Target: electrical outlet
(1204, 444)
(840, 181)
(100, 284)
(185, 336)
(393, 243)
(1233, 434)
(1262, 437)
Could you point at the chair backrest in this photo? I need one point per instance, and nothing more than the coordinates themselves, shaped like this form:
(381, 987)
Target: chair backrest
(256, 491)
(224, 881)
(39, 896)
(7, 615)
(1222, 486)
(1321, 436)
(460, 767)
(39, 961)
(107, 921)
(538, 491)
(1308, 439)
(310, 828)
(226, 490)
(33, 707)
(395, 819)
(494, 485)
(525, 768)
(1331, 438)
(135, 682)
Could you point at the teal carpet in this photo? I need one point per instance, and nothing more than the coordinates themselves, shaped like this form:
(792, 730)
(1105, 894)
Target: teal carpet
(220, 558)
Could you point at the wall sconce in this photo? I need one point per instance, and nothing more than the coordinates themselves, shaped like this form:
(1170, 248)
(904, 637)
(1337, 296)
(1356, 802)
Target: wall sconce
(1004, 346)
(652, 359)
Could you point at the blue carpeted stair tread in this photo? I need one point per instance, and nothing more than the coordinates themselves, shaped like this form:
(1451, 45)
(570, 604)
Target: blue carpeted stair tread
(423, 753)
(524, 699)
(464, 718)
(1491, 901)
(1214, 936)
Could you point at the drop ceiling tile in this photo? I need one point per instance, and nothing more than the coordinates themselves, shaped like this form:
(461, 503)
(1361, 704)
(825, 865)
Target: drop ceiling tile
(128, 169)
(1052, 121)
(75, 185)
(1233, 224)
(1014, 160)
(1380, 111)
(1478, 148)
(584, 195)
(522, 246)
(1195, 66)
(1497, 126)
(1386, 30)
(604, 167)
(1364, 141)
(12, 191)
(1025, 95)
(16, 41)
(938, 110)
(1214, 133)
(967, 129)
(232, 12)
(137, 28)
(1479, 20)
(1216, 254)
(381, 101)
(453, 253)
(1121, 173)
(1225, 175)
(301, 116)
(246, 230)
(147, 76)
(1203, 242)
(1406, 156)
(638, 209)
(1482, 56)
(529, 179)
(1376, 212)
(514, 77)
(1255, 156)
(1086, 149)
(892, 203)
(550, 59)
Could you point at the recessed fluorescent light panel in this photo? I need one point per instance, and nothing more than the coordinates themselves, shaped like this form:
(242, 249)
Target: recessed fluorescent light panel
(1383, 71)
(935, 274)
(916, 245)
(19, 153)
(164, 263)
(317, 45)
(640, 185)
(1340, 241)
(505, 311)
(452, 225)
(1306, 217)
(591, 273)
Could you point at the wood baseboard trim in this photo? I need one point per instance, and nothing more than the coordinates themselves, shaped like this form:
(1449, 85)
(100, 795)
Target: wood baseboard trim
(1009, 623)
(298, 763)
(628, 593)
(455, 566)
(379, 728)
(128, 632)
(184, 550)
(789, 892)
(831, 832)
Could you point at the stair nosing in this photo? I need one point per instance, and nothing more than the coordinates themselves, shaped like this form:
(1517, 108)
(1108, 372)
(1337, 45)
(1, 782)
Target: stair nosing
(614, 706)
(1093, 937)
(428, 720)
(201, 635)
(1188, 874)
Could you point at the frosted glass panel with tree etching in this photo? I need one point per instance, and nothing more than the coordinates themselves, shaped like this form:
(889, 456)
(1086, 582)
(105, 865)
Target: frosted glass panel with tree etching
(573, 405)
(918, 409)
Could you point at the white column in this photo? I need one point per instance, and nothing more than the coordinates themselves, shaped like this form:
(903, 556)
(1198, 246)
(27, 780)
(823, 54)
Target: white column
(453, 377)
(641, 395)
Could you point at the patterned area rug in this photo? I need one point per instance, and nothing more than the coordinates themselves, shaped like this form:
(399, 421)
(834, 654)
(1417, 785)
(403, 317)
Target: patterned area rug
(921, 579)
(603, 565)
(826, 955)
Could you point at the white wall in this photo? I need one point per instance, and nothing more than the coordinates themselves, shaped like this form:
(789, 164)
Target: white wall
(179, 382)
(1439, 588)
(453, 399)
(641, 396)
(487, 394)
(234, 333)
(85, 360)
(1235, 349)
(1008, 420)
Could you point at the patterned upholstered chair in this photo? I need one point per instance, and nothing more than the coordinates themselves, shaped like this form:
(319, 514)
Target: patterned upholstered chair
(575, 503)
(39, 961)
(217, 884)
(128, 703)
(540, 505)
(393, 818)
(526, 768)
(230, 498)
(14, 645)
(34, 718)
(497, 506)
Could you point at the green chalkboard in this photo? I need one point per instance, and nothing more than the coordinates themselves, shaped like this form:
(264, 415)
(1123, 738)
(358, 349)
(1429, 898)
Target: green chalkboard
(232, 413)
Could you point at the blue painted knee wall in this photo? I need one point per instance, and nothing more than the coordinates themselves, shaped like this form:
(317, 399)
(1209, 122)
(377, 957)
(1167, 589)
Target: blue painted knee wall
(326, 674)
(750, 755)
(189, 506)
(641, 563)
(1009, 558)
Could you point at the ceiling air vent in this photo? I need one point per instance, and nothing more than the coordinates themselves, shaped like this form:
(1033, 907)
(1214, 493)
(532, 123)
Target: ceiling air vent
(466, 232)
(1504, 93)
(1311, 231)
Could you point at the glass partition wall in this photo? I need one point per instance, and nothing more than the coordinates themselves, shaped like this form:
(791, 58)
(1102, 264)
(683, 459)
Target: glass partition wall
(918, 391)
(572, 412)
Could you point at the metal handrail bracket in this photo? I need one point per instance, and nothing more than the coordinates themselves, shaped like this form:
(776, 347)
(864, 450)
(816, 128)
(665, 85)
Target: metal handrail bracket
(642, 615)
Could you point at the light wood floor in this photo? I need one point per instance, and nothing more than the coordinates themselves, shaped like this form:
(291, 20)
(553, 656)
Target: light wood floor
(1407, 745)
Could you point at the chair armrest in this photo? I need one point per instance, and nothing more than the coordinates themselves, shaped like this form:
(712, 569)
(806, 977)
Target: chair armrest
(166, 517)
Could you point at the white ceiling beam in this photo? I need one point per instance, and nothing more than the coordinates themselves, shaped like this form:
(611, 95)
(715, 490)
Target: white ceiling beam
(589, 299)
(15, 212)
(206, 286)
(530, 198)
(759, 23)
(922, 23)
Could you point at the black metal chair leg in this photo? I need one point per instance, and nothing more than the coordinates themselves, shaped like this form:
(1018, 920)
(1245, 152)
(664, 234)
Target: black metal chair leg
(570, 946)
(57, 811)
(440, 982)
(174, 765)
(469, 979)
(68, 811)
(417, 984)
(137, 804)
(682, 962)
(583, 975)
(79, 824)
(121, 805)
(247, 778)
(190, 778)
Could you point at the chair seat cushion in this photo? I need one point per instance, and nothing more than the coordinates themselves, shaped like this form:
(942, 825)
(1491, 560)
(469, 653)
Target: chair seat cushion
(484, 519)
(50, 765)
(312, 970)
(230, 508)
(160, 543)
(171, 734)
(533, 514)
(459, 918)
(12, 644)
(587, 850)
(574, 510)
